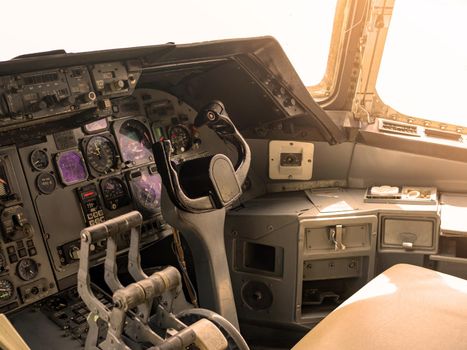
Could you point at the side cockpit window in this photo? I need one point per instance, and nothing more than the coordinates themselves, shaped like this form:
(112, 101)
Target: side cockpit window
(424, 65)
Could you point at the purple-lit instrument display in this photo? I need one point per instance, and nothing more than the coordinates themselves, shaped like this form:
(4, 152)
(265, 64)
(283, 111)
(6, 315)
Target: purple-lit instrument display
(71, 167)
(134, 140)
(147, 191)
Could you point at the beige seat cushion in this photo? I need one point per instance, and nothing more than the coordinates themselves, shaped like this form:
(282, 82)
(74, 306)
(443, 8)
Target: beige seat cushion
(405, 307)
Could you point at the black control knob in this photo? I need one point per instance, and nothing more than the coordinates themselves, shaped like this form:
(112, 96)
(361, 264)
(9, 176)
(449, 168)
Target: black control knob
(88, 97)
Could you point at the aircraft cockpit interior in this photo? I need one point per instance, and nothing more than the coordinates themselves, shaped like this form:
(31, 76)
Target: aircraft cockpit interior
(202, 196)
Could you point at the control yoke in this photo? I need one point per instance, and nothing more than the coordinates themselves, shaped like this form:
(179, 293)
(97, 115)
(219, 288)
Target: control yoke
(206, 183)
(194, 200)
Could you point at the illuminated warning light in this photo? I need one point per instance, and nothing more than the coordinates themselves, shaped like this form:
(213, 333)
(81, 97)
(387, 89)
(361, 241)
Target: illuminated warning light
(89, 194)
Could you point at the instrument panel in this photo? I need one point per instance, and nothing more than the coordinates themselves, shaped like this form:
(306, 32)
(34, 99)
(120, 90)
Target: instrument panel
(105, 168)
(83, 175)
(41, 94)
(28, 98)
(26, 275)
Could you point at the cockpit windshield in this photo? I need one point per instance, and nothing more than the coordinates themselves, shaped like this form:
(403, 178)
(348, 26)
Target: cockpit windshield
(302, 27)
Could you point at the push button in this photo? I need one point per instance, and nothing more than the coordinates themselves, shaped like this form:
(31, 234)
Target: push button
(13, 258)
(22, 253)
(32, 251)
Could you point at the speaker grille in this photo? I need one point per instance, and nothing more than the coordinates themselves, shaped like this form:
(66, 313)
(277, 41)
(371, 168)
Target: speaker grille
(257, 295)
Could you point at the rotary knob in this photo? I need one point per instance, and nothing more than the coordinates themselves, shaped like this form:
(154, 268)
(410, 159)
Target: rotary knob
(117, 85)
(87, 97)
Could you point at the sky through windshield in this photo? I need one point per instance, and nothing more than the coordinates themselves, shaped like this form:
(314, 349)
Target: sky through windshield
(303, 27)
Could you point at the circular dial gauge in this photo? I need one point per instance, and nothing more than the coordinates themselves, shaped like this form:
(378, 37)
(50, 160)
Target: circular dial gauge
(134, 140)
(27, 269)
(2, 262)
(6, 290)
(39, 159)
(101, 154)
(46, 183)
(115, 193)
(71, 167)
(147, 191)
(180, 137)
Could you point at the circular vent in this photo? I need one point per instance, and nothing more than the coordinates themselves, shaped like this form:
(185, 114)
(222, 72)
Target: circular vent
(257, 295)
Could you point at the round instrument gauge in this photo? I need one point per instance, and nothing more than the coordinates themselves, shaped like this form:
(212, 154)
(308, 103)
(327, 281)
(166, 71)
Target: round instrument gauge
(39, 159)
(27, 269)
(134, 140)
(115, 193)
(2, 262)
(147, 191)
(71, 167)
(6, 290)
(46, 183)
(101, 154)
(180, 137)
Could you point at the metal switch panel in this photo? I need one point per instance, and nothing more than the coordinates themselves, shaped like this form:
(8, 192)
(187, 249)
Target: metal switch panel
(290, 160)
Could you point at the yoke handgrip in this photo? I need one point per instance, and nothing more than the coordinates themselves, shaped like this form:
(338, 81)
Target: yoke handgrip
(219, 182)
(216, 118)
